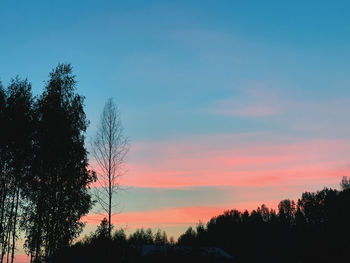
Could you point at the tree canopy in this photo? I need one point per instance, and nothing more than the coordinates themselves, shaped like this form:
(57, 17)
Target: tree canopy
(44, 176)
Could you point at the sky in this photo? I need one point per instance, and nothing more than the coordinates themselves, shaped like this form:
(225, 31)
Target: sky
(227, 104)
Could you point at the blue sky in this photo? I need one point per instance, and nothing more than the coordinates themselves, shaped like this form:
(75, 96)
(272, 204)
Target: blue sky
(179, 57)
(201, 79)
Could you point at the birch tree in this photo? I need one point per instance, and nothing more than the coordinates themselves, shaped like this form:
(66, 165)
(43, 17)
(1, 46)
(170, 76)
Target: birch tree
(109, 149)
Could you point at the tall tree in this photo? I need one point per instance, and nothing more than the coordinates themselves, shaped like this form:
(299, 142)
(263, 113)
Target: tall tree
(109, 148)
(58, 195)
(16, 108)
(20, 145)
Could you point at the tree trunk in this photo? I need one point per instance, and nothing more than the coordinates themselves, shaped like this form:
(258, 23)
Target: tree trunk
(110, 214)
(110, 183)
(14, 226)
(9, 227)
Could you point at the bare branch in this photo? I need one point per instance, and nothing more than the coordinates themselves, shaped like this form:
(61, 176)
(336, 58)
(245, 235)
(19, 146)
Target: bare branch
(109, 149)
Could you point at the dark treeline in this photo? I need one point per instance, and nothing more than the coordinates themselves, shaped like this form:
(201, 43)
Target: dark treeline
(43, 166)
(313, 229)
(99, 247)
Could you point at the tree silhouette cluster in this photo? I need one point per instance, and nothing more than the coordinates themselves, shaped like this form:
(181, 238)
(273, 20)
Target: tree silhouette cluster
(315, 228)
(99, 247)
(44, 178)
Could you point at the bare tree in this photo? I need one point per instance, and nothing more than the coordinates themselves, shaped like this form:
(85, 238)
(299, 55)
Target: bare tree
(109, 149)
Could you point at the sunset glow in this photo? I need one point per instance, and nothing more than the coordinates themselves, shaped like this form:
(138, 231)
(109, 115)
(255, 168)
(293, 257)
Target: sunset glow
(222, 104)
(222, 162)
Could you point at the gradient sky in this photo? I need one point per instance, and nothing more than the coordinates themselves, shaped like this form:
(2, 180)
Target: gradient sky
(227, 104)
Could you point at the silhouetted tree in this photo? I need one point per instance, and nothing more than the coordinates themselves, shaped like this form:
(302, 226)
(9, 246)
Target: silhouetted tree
(59, 188)
(286, 211)
(109, 148)
(102, 231)
(20, 144)
(16, 114)
(160, 238)
(142, 237)
(119, 236)
(345, 183)
(188, 238)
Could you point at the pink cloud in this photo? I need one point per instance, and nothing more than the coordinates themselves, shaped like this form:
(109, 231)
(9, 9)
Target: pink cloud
(261, 101)
(198, 162)
(251, 163)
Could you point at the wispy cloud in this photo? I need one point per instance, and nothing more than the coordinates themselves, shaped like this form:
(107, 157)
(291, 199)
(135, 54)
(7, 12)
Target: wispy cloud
(251, 102)
(201, 162)
(228, 108)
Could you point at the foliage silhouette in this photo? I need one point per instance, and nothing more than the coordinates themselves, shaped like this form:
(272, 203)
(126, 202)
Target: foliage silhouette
(313, 229)
(16, 155)
(44, 178)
